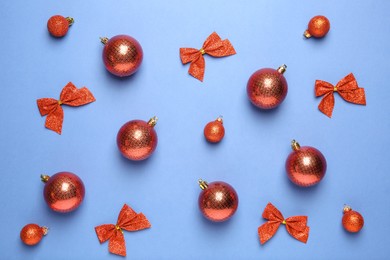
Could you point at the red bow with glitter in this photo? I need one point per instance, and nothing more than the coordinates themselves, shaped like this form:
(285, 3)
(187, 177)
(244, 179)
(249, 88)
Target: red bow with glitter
(213, 46)
(296, 226)
(128, 220)
(70, 96)
(347, 88)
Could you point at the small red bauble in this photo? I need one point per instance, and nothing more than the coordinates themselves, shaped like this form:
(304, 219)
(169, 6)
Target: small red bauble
(31, 234)
(305, 166)
(267, 88)
(63, 192)
(122, 55)
(218, 201)
(137, 139)
(214, 131)
(318, 27)
(58, 25)
(352, 220)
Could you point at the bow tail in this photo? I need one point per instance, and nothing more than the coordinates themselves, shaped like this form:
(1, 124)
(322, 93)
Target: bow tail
(301, 235)
(46, 105)
(355, 96)
(267, 230)
(327, 104)
(117, 244)
(197, 68)
(188, 54)
(54, 120)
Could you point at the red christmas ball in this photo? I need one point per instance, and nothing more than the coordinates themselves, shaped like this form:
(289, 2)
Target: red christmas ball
(267, 88)
(63, 192)
(318, 27)
(122, 55)
(305, 166)
(214, 131)
(58, 25)
(218, 201)
(352, 220)
(31, 234)
(137, 139)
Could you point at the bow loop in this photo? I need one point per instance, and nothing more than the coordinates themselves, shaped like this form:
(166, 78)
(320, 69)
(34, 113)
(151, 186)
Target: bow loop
(213, 46)
(296, 226)
(51, 107)
(347, 88)
(128, 220)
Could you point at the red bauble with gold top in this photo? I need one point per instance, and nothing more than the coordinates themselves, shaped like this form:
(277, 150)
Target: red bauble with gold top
(63, 192)
(352, 220)
(137, 139)
(122, 55)
(32, 234)
(267, 88)
(318, 27)
(305, 166)
(218, 200)
(58, 26)
(214, 131)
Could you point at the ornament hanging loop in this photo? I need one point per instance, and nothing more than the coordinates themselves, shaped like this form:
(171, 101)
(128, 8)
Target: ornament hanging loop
(153, 121)
(307, 34)
(203, 184)
(295, 145)
(70, 20)
(282, 69)
(346, 208)
(220, 119)
(103, 40)
(45, 230)
(45, 178)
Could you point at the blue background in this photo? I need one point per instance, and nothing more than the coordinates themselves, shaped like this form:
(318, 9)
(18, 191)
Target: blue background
(252, 155)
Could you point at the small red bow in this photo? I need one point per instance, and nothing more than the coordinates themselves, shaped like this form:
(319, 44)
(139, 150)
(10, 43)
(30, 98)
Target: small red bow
(70, 96)
(296, 226)
(347, 88)
(128, 220)
(213, 46)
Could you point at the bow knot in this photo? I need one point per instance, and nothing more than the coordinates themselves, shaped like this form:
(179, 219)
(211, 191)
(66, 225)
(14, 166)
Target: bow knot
(213, 46)
(347, 88)
(70, 96)
(296, 226)
(128, 220)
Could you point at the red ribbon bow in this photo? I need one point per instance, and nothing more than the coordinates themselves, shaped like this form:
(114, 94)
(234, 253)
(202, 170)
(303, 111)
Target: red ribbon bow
(213, 46)
(128, 220)
(296, 226)
(347, 88)
(70, 96)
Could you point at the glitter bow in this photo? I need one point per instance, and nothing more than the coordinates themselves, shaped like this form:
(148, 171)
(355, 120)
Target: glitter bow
(347, 88)
(128, 220)
(70, 96)
(213, 46)
(296, 226)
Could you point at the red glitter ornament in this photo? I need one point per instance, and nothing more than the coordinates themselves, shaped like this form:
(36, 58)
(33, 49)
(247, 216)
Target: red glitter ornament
(137, 139)
(214, 131)
(352, 220)
(218, 201)
(305, 166)
(267, 88)
(318, 27)
(63, 192)
(58, 25)
(31, 234)
(122, 55)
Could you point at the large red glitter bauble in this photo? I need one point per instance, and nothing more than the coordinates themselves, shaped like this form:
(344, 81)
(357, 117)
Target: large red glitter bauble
(122, 55)
(137, 139)
(267, 88)
(318, 27)
(305, 166)
(31, 234)
(218, 201)
(352, 220)
(63, 192)
(214, 131)
(58, 25)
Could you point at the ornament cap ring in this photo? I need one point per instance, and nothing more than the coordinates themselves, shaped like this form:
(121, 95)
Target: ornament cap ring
(45, 178)
(282, 69)
(103, 40)
(70, 20)
(295, 145)
(203, 184)
(153, 121)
